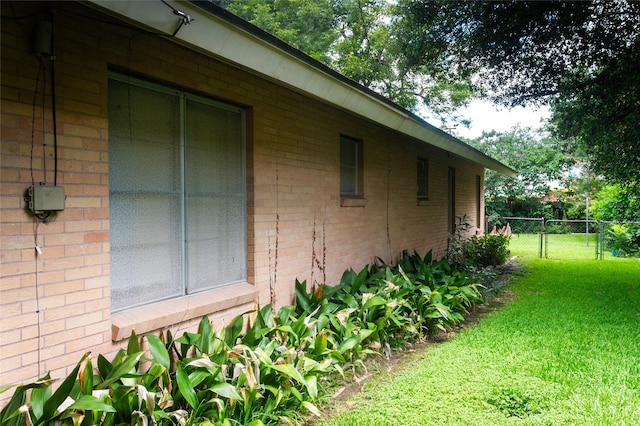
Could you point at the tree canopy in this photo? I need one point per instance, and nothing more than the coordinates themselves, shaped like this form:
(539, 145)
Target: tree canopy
(580, 57)
(600, 111)
(356, 37)
(539, 158)
(518, 51)
(312, 27)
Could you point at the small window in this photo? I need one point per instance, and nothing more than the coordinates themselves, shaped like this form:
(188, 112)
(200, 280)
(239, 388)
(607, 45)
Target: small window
(479, 196)
(350, 167)
(451, 190)
(422, 170)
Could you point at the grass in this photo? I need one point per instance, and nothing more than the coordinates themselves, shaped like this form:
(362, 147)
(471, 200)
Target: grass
(526, 244)
(566, 351)
(556, 246)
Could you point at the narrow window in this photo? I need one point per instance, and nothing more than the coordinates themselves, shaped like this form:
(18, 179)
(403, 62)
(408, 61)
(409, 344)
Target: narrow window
(479, 197)
(422, 170)
(177, 193)
(350, 167)
(451, 190)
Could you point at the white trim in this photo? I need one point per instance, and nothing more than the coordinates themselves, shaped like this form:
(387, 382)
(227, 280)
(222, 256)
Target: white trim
(213, 35)
(157, 316)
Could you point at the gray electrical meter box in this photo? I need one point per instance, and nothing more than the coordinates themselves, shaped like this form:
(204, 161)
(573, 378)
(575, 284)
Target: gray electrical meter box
(43, 199)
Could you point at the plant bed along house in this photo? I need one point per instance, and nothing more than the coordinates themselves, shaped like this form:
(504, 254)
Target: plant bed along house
(266, 366)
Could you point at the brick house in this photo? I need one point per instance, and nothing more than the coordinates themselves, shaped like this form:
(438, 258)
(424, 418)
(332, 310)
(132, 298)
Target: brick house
(205, 166)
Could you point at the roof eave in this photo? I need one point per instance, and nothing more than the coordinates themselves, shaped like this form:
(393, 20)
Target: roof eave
(217, 32)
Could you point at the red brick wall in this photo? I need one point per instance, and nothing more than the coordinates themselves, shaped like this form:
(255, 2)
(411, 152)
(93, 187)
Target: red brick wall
(56, 306)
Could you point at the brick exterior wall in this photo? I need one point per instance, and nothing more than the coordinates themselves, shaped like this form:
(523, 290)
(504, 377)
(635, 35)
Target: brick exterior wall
(56, 306)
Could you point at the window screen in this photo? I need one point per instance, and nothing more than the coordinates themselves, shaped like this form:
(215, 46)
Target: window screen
(422, 171)
(348, 166)
(479, 196)
(177, 193)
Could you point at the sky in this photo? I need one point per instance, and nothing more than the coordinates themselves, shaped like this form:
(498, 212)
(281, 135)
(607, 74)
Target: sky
(486, 117)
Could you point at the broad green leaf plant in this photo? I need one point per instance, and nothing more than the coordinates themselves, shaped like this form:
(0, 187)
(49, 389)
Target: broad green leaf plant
(266, 367)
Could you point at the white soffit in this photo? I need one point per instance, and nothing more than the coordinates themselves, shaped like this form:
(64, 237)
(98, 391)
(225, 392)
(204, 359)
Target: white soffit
(214, 35)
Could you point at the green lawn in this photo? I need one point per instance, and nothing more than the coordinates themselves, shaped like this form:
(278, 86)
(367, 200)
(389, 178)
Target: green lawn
(525, 245)
(566, 351)
(556, 246)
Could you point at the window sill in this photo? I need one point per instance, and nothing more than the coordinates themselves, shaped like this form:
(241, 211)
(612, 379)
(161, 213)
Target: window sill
(352, 201)
(423, 201)
(174, 311)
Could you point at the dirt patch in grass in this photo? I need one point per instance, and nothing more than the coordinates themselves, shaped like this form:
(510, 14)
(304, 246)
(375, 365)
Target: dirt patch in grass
(397, 360)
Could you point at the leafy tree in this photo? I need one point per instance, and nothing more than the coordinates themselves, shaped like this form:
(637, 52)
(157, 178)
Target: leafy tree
(519, 50)
(613, 203)
(600, 111)
(355, 38)
(536, 157)
(310, 26)
(581, 56)
(361, 52)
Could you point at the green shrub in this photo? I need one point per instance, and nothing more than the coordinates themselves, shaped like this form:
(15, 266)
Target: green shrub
(395, 305)
(488, 278)
(263, 376)
(487, 250)
(265, 367)
(623, 240)
(455, 243)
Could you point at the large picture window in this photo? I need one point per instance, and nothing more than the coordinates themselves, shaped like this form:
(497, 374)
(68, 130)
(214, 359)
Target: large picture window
(177, 193)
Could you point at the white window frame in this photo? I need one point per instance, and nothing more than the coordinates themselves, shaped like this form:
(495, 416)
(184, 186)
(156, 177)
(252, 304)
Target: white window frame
(422, 176)
(350, 167)
(184, 98)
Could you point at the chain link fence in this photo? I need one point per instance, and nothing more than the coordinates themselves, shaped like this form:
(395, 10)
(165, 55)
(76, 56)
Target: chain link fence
(568, 239)
(525, 233)
(619, 239)
(571, 239)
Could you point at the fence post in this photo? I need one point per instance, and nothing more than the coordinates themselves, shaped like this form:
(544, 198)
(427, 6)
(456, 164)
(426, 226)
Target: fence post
(601, 236)
(541, 236)
(587, 230)
(546, 239)
(597, 239)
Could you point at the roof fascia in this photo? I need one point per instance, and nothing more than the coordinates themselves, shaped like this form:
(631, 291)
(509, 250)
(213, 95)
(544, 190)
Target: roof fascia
(215, 31)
